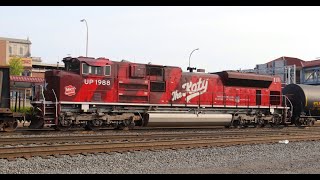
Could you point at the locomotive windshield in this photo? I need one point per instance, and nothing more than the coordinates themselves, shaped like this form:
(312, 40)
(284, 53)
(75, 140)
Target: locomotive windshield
(87, 66)
(73, 66)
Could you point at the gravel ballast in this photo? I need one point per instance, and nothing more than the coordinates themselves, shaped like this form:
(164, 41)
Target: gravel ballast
(293, 158)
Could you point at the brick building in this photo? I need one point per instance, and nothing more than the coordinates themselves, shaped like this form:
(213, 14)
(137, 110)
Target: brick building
(34, 68)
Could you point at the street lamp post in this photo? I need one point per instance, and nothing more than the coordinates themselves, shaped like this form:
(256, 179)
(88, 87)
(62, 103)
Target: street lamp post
(191, 68)
(83, 20)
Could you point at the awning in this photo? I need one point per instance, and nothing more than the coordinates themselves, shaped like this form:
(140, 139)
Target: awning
(26, 79)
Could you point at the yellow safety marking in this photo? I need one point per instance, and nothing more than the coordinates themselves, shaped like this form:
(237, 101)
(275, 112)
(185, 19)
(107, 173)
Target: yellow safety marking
(306, 101)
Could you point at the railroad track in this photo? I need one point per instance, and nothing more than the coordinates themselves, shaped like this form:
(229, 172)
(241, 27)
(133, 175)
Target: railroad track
(152, 135)
(71, 149)
(27, 131)
(125, 143)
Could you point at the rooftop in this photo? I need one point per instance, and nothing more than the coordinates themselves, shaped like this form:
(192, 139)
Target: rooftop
(24, 41)
(47, 65)
(311, 63)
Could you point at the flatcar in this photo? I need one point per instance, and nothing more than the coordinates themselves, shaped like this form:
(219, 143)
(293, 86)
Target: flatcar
(97, 92)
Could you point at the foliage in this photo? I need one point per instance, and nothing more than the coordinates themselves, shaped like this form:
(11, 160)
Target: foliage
(16, 67)
(26, 110)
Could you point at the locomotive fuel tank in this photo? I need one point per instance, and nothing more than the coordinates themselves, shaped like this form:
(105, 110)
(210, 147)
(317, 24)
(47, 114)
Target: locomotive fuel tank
(305, 99)
(179, 119)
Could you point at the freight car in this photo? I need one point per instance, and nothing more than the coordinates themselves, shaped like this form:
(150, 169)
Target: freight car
(94, 93)
(306, 103)
(8, 119)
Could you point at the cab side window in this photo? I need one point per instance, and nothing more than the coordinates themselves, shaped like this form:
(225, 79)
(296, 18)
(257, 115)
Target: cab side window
(107, 70)
(96, 70)
(86, 69)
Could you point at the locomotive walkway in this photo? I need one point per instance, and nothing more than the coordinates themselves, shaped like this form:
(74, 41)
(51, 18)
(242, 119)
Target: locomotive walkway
(26, 147)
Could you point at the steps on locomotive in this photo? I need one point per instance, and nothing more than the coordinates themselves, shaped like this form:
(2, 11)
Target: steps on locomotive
(50, 114)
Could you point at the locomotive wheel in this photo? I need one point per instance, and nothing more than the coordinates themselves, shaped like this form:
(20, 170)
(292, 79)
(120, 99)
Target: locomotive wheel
(122, 126)
(36, 123)
(62, 128)
(274, 122)
(311, 122)
(236, 123)
(297, 122)
(91, 128)
(131, 125)
(275, 125)
(10, 126)
(64, 125)
(260, 123)
(93, 125)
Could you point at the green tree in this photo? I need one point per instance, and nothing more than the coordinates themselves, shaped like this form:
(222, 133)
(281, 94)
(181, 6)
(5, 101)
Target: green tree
(16, 67)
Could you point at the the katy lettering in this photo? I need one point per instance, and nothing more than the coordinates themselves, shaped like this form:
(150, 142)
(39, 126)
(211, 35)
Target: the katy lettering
(191, 90)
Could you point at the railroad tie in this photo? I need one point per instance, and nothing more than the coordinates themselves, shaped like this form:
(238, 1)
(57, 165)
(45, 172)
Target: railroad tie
(57, 156)
(11, 159)
(26, 157)
(45, 157)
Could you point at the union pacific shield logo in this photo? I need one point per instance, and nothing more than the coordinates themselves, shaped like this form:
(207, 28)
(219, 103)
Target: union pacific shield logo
(69, 90)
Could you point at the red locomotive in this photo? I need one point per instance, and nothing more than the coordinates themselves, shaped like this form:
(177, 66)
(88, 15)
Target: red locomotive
(95, 93)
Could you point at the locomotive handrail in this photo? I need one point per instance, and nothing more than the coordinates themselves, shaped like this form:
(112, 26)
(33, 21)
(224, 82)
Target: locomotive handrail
(54, 93)
(286, 97)
(247, 100)
(44, 101)
(224, 99)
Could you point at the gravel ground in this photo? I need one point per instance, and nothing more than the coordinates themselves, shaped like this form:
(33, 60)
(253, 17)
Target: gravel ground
(293, 158)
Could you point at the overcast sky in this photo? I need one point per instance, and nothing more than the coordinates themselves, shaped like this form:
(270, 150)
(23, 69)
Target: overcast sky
(228, 38)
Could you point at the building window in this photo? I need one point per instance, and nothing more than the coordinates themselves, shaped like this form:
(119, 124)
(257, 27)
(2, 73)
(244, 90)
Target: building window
(10, 50)
(21, 51)
(26, 73)
(107, 71)
(14, 50)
